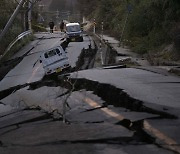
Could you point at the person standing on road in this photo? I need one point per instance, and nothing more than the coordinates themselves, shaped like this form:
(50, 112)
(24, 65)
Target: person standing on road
(62, 26)
(51, 25)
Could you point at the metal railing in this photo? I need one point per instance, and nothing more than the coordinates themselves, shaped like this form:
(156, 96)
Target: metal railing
(19, 37)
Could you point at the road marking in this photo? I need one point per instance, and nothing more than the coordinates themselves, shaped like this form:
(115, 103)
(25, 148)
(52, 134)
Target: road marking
(102, 61)
(169, 142)
(33, 73)
(106, 110)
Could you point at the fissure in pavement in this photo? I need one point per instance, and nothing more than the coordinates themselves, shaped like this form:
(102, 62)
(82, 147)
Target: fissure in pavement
(117, 97)
(117, 140)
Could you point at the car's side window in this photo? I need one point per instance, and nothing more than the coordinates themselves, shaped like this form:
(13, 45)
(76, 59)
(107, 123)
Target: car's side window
(52, 53)
(46, 55)
(58, 51)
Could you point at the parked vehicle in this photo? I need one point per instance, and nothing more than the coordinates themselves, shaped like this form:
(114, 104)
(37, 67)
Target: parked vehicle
(54, 60)
(74, 32)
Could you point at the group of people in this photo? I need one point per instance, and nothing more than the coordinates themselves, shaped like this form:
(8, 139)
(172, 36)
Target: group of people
(51, 26)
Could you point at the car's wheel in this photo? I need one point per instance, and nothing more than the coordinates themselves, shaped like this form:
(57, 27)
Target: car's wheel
(68, 40)
(81, 39)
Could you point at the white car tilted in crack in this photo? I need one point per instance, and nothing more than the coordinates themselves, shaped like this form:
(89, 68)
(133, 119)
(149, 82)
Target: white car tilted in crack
(54, 60)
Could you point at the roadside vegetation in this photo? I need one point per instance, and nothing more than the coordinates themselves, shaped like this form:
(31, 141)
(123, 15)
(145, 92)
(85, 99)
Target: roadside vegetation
(152, 28)
(6, 10)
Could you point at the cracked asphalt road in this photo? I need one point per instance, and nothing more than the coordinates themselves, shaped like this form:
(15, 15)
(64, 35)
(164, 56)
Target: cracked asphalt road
(80, 114)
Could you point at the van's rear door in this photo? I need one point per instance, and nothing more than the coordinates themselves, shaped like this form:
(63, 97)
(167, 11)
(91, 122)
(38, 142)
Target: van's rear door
(53, 56)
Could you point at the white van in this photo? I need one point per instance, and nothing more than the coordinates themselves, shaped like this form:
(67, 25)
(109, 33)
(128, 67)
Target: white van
(73, 32)
(54, 60)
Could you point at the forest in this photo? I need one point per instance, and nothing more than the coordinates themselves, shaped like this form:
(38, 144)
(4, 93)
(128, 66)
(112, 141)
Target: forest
(6, 9)
(151, 25)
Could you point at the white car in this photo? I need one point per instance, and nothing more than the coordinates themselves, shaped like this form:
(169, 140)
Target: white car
(54, 60)
(73, 32)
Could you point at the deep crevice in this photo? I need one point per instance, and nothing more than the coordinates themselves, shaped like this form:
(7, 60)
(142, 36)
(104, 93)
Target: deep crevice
(10, 113)
(40, 118)
(117, 97)
(7, 92)
(1, 144)
(94, 122)
(11, 130)
(115, 140)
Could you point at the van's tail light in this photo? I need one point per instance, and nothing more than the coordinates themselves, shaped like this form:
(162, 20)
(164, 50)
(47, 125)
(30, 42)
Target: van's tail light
(49, 71)
(66, 65)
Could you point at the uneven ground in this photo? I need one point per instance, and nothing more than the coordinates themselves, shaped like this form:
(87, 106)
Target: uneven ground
(100, 110)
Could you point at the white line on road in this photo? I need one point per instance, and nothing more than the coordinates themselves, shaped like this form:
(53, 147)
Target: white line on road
(33, 73)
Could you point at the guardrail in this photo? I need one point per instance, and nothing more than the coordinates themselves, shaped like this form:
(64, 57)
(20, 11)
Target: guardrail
(19, 37)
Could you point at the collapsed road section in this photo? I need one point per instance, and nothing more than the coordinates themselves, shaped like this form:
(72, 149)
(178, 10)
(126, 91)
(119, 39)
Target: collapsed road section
(28, 69)
(85, 108)
(117, 97)
(81, 57)
(114, 110)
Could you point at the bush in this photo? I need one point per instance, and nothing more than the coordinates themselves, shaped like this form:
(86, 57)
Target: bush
(38, 28)
(9, 37)
(140, 45)
(149, 24)
(18, 45)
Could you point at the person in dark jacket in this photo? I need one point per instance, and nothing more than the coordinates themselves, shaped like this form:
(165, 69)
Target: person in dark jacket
(62, 26)
(51, 25)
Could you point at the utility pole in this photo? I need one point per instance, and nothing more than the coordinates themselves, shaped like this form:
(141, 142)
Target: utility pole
(26, 15)
(102, 28)
(124, 28)
(129, 10)
(94, 30)
(57, 14)
(68, 16)
(9, 23)
(30, 15)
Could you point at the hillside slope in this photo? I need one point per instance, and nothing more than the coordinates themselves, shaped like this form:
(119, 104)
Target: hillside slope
(152, 27)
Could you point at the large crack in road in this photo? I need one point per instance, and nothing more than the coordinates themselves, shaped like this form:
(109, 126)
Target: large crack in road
(117, 97)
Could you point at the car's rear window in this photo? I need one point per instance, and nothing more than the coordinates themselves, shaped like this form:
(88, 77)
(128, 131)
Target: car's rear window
(51, 53)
